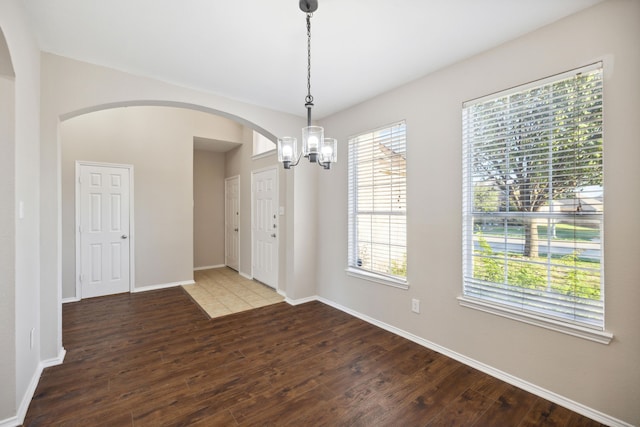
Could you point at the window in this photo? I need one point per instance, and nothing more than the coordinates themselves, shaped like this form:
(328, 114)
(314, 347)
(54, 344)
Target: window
(378, 205)
(532, 200)
(262, 144)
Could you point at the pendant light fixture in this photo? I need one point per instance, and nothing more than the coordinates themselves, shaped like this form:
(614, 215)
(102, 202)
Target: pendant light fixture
(315, 146)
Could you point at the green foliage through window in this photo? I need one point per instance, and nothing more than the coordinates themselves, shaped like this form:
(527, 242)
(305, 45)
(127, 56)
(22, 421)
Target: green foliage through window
(533, 197)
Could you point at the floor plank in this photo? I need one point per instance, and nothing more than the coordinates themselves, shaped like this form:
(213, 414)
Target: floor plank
(156, 359)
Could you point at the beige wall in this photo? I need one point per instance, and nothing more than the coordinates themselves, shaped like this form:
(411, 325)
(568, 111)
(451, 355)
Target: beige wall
(19, 250)
(158, 142)
(602, 377)
(7, 237)
(208, 208)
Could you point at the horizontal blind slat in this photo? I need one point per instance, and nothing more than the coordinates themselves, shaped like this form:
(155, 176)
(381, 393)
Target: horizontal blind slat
(532, 162)
(377, 200)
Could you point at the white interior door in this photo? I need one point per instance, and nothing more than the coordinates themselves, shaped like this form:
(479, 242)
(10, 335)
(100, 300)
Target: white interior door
(104, 204)
(265, 227)
(232, 222)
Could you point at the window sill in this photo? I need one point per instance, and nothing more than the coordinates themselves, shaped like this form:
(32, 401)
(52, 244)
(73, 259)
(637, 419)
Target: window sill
(372, 277)
(601, 337)
(264, 154)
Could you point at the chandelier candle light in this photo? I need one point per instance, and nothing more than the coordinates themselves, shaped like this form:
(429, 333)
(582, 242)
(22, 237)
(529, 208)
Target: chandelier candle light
(315, 146)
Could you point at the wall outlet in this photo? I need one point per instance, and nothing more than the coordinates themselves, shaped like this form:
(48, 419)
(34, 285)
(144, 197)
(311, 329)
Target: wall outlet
(415, 305)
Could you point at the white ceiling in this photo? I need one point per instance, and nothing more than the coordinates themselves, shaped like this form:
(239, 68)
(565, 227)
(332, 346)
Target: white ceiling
(255, 50)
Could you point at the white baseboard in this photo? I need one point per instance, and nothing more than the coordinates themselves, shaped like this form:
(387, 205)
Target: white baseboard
(59, 360)
(18, 419)
(305, 300)
(508, 378)
(162, 286)
(208, 267)
(11, 422)
(141, 289)
(245, 275)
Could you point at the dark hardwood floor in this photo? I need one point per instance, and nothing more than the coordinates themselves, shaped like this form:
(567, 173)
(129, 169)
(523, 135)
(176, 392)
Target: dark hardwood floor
(155, 359)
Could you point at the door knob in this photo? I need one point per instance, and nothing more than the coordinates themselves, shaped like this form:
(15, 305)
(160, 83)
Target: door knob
(124, 236)
(273, 234)
(235, 229)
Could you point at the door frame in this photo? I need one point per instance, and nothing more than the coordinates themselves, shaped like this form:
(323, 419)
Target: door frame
(132, 234)
(277, 204)
(226, 180)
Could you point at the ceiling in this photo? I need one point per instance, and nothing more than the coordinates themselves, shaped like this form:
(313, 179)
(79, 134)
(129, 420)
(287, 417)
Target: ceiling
(255, 50)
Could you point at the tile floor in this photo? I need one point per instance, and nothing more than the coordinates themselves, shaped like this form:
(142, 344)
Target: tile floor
(222, 291)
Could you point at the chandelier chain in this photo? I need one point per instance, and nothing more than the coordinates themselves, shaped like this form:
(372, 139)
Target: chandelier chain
(309, 98)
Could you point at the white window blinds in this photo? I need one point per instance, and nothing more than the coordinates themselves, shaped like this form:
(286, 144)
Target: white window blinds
(533, 198)
(378, 202)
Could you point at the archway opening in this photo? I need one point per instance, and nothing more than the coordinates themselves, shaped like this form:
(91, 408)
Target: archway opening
(143, 134)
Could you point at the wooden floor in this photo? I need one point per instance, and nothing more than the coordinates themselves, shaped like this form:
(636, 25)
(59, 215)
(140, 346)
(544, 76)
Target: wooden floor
(155, 359)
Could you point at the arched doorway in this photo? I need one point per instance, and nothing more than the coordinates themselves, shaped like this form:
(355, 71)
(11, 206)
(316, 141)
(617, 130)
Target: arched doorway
(112, 134)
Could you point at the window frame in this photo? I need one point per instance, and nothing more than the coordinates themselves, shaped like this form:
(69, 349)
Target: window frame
(352, 268)
(482, 300)
(259, 149)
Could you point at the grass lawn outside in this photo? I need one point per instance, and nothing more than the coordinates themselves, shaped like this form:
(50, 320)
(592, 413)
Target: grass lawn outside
(562, 232)
(568, 275)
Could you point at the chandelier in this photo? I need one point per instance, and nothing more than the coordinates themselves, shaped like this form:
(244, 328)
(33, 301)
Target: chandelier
(315, 146)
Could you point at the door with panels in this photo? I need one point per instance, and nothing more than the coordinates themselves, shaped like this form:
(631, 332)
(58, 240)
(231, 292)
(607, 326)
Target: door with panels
(103, 204)
(265, 227)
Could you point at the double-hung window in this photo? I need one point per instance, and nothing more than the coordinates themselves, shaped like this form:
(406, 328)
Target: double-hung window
(533, 203)
(378, 205)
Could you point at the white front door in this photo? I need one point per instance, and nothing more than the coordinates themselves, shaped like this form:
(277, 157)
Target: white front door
(103, 228)
(232, 222)
(265, 227)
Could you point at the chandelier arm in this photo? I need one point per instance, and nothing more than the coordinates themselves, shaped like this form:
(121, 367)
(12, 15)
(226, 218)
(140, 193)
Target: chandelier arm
(297, 161)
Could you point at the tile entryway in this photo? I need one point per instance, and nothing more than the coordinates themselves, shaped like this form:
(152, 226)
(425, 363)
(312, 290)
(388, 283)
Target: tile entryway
(222, 291)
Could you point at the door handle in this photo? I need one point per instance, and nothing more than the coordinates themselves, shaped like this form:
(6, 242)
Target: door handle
(235, 229)
(124, 236)
(273, 234)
